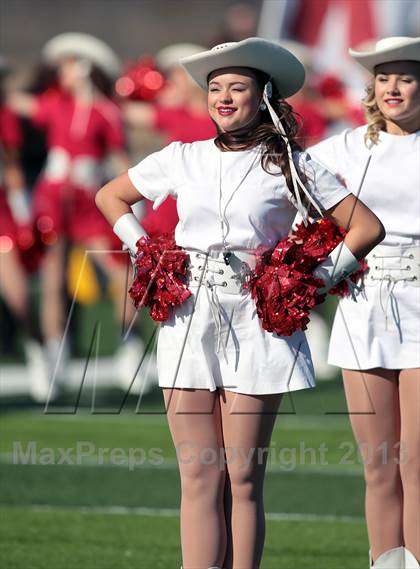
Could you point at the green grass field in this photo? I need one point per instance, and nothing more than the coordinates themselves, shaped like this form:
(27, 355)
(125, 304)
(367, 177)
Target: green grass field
(105, 512)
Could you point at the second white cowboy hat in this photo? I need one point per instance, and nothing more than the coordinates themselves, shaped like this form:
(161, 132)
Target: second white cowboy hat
(284, 68)
(171, 54)
(83, 45)
(389, 49)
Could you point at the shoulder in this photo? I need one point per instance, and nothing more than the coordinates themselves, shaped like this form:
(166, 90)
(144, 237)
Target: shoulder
(198, 147)
(185, 151)
(52, 99)
(172, 155)
(339, 152)
(348, 138)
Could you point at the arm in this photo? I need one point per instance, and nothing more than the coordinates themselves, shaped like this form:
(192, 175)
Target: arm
(14, 182)
(114, 201)
(364, 232)
(22, 104)
(364, 229)
(153, 178)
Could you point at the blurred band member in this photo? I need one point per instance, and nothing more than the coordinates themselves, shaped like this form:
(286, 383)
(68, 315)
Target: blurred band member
(15, 217)
(83, 127)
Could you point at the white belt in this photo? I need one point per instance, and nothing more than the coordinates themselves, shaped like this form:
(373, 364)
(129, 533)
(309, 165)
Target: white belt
(213, 269)
(81, 171)
(388, 265)
(393, 263)
(228, 271)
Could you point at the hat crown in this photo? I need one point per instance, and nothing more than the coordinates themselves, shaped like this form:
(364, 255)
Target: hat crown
(285, 69)
(394, 42)
(222, 46)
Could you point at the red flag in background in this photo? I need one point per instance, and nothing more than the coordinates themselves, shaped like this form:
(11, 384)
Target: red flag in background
(330, 27)
(355, 16)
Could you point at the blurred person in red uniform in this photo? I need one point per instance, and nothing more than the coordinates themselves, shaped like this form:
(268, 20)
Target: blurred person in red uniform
(15, 218)
(339, 106)
(336, 106)
(181, 113)
(83, 127)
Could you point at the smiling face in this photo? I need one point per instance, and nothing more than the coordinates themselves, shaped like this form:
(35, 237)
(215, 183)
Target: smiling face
(397, 94)
(233, 98)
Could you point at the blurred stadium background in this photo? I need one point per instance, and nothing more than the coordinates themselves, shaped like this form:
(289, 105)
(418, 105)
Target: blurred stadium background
(80, 482)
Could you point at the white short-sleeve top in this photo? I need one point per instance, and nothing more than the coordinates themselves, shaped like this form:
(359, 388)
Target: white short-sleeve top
(207, 182)
(391, 188)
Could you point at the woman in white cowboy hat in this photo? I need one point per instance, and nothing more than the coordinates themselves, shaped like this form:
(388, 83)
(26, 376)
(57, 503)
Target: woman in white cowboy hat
(222, 375)
(83, 127)
(377, 340)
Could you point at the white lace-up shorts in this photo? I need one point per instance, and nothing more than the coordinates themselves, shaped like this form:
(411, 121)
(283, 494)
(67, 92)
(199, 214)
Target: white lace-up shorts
(215, 339)
(381, 329)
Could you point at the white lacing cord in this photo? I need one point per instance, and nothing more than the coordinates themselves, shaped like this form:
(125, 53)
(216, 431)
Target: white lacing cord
(297, 182)
(353, 288)
(215, 306)
(388, 278)
(216, 309)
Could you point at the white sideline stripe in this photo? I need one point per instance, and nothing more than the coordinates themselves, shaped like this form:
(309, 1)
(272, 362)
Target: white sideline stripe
(171, 464)
(101, 373)
(284, 421)
(173, 512)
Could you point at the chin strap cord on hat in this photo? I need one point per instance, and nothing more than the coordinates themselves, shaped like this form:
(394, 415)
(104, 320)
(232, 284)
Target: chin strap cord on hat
(297, 182)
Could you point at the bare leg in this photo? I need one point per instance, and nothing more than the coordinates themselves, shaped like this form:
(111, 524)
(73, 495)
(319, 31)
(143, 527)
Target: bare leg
(14, 289)
(248, 422)
(373, 404)
(52, 282)
(410, 459)
(195, 424)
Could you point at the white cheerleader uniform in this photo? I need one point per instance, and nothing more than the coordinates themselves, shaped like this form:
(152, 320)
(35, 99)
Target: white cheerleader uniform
(381, 329)
(227, 202)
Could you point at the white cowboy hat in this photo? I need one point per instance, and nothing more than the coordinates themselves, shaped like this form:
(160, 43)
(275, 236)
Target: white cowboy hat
(389, 49)
(283, 67)
(171, 54)
(86, 46)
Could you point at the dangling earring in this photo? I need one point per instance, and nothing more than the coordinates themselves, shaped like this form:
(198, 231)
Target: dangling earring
(263, 106)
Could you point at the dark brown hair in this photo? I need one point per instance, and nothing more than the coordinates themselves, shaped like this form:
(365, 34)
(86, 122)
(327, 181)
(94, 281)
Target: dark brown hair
(102, 82)
(48, 75)
(274, 149)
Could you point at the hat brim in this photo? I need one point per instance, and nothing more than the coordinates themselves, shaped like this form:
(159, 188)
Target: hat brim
(282, 66)
(370, 59)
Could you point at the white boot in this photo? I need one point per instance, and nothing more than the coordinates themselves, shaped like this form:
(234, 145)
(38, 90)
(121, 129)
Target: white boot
(40, 387)
(57, 352)
(126, 362)
(410, 561)
(391, 559)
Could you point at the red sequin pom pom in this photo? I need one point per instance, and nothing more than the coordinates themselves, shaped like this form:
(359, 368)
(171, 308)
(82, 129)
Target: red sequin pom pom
(283, 286)
(160, 282)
